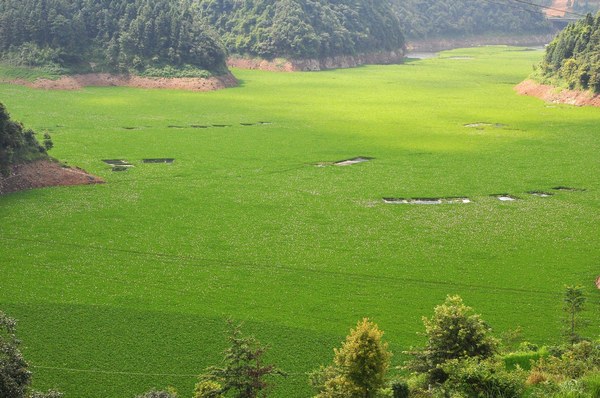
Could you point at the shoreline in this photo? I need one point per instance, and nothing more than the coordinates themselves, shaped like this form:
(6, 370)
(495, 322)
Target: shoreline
(557, 95)
(79, 81)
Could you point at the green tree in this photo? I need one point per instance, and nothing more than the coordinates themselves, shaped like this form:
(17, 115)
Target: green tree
(573, 305)
(243, 372)
(454, 332)
(360, 365)
(14, 375)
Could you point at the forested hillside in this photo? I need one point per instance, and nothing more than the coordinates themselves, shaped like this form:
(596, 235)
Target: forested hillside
(433, 18)
(573, 58)
(143, 36)
(303, 28)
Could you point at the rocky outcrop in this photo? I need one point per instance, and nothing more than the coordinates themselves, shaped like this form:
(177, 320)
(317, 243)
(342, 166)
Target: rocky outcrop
(75, 82)
(299, 65)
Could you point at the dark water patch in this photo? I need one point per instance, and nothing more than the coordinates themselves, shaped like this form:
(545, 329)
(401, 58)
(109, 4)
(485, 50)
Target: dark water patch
(265, 123)
(356, 160)
(198, 126)
(221, 125)
(248, 124)
(172, 126)
(159, 160)
(117, 162)
(569, 189)
(121, 167)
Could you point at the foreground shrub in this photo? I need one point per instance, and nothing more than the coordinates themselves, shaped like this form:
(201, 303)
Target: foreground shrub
(207, 389)
(360, 365)
(471, 377)
(454, 332)
(169, 393)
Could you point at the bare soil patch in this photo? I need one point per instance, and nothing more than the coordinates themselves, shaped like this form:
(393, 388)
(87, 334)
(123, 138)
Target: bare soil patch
(44, 173)
(313, 64)
(76, 82)
(557, 95)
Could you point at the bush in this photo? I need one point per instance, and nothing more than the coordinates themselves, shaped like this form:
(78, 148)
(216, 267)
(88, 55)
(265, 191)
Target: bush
(400, 389)
(454, 332)
(472, 377)
(169, 393)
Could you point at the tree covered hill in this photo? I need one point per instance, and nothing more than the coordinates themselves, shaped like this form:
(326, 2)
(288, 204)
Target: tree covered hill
(302, 29)
(572, 59)
(435, 18)
(108, 35)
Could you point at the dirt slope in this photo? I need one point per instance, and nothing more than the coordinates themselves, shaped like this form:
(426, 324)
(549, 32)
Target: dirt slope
(557, 95)
(557, 9)
(76, 82)
(44, 173)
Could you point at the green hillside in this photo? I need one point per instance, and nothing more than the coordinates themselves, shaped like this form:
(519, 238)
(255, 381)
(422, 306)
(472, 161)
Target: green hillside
(140, 36)
(442, 18)
(572, 59)
(303, 28)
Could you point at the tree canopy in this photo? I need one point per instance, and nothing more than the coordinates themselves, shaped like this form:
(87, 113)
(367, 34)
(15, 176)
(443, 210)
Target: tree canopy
(572, 59)
(431, 18)
(17, 143)
(122, 35)
(303, 28)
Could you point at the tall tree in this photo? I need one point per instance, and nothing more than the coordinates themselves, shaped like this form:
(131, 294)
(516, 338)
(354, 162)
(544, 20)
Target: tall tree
(243, 371)
(573, 305)
(360, 365)
(14, 375)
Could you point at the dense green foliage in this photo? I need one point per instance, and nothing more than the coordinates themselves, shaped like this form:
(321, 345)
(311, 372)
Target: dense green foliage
(242, 374)
(573, 58)
(130, 281)
(114, 35)
(454, 332)
(18, 144)
(359, 367)
(435, 18)
(303, 28)
(15, 376)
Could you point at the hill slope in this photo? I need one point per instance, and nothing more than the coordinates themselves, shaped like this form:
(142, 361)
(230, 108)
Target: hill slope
(302, 29)
(152, 37)
(433, 18)
(572, 59)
